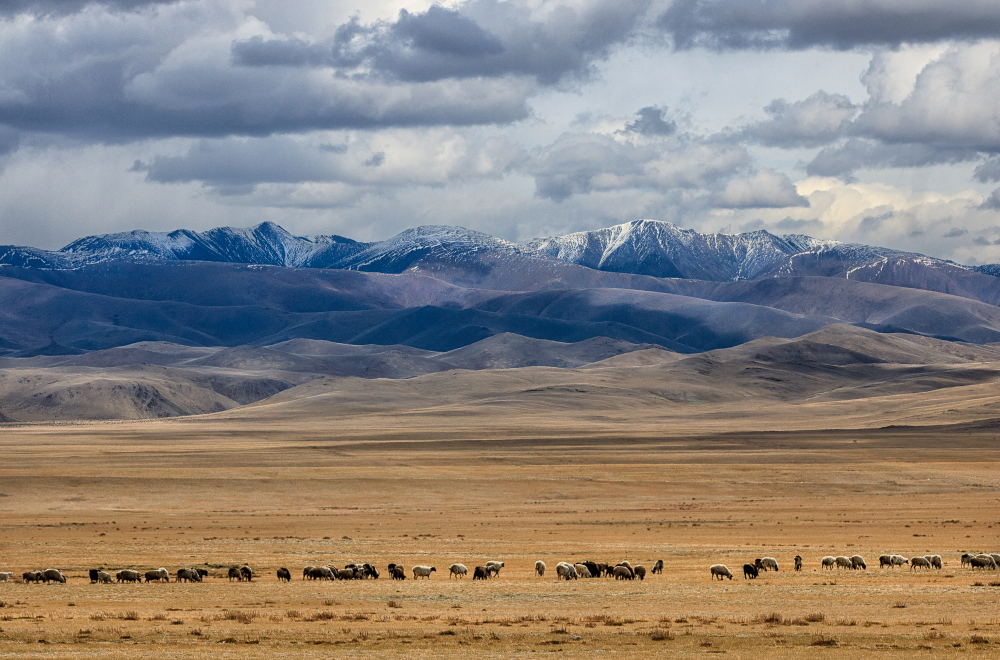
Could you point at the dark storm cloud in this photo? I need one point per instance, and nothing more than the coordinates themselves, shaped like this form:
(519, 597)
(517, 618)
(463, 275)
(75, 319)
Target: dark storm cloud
(839, 24)
(988, 171)
(859, 153)
(63, 7)
(480, 38)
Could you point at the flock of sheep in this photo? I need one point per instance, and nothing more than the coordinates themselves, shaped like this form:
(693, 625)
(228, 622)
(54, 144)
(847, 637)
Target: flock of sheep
(857, 562)
(564, 570)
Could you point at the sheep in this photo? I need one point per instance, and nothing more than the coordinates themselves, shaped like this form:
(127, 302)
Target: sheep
(844, 562)
(540, 568)
(235, 574)
(93, 575)
(884, 560)
(202, 572)
(983, 562)
(657, 567)
(828, 562)
(750, 571)
(158, 575)
(479, 573)
(769, 564)
(425, 571)
(996, 558)
(720, 571)
(345, 574)
(457, 570)
(857, 561)
(623, 572)
(284, 574)
(582, 570)
(188, 575)
(53, 575)
(640, 572)
(935, 561)
(493, 568)
(592, 568)
(31, 576)
(898, 560)
(759, 564)
(798, 563)
(966, 558)
(5, 576)
(103, 577)
(988, 558)
(247, 573)
(566, 571)
(398, 573)
(371, 571)
(624, 563)
(326, 573)
(919, 562)
(306, 572)
(127, 575)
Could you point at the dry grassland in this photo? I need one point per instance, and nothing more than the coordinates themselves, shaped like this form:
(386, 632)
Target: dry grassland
(331, 478)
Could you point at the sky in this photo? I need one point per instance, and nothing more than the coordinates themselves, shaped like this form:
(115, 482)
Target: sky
(870, 121)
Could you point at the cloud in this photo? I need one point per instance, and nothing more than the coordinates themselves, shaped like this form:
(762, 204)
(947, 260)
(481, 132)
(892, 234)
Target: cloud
(992, 202)
(838, 24)
(582, 163)
(955, 232)
(212, 69)
(478, 38)
(390, 159)
(988, 171)
(859, 153)
(651, 121)
(815, 121)
(63, 7)
(763, 189)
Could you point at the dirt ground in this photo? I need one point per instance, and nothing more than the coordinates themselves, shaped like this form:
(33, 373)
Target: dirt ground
(296, 486)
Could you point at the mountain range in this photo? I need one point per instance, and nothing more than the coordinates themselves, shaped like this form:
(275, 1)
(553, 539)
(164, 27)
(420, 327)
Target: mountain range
(403, 305)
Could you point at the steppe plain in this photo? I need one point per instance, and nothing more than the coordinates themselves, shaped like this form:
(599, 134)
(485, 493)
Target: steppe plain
(720, 458)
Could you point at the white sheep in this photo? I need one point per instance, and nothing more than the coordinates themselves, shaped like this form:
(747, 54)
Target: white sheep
(898, 560)
(493, 567)
(769, 564)
(457, 570)
(844, 562)
(103, 577)
(540, 568)
(857, 561)
(423, 572)
(720, 571)
(829, 562)
(582, 570)
(566, 571)
(919, 562)
(935, 561)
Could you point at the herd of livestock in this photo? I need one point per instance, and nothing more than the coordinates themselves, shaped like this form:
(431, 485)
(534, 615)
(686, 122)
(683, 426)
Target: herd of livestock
(564, 570)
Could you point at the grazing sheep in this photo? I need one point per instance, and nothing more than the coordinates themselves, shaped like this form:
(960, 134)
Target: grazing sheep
(640, 572)
(623, 572)
(844, 562)
(31, 576)
(996, 558)
(750, 571)
(306, 573)
(540, 568)
(884, 560)
(480, 573)
(371, 571)
(457, 570)
(5, 576)
(103, 577)
(624, 563)
(425, 571)
(158, 575)
(966, 558)
(857, 561)
(798, 563)
(898, 560)
(829, 562)
(247, 573)
(284, 574)
(93, 576)
(769, 564)
(759, 564)
(566, 571)
(935, 561)
(582, 570)
(983, 562)
(493, 568)
(987, 558)
(127, 575)
(53, 575)
(592, 568)
(326, 573)
(188, 575)
(919, 562)
(345, 574)
(398, 573)
(720, 571)
(658, 566)
(235, 574)
(202, 572)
